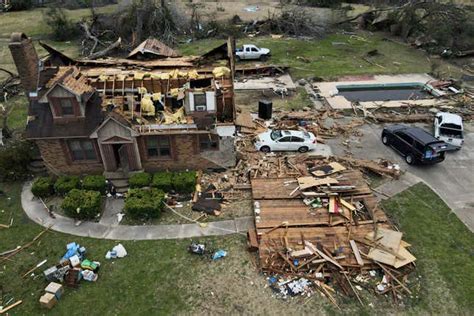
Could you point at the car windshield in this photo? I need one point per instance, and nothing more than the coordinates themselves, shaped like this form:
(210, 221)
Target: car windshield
(450, 131)
(275, 135)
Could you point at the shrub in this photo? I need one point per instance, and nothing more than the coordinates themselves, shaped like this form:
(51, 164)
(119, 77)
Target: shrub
(82, 204)
(14, 161)
(43, 187)
(18, 5)
(62, 27)
(163, 181)
(94, 183)
(140, 180)
(65, 184)
(184, 182)
(144, 204)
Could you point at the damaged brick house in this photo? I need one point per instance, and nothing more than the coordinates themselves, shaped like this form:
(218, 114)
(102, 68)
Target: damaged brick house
(125, 115)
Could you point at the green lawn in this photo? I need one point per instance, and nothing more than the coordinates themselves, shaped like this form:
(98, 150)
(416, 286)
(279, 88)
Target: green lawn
(333, 56)
(31, 22)
(17, 107)
(444, 248)
(160, 277)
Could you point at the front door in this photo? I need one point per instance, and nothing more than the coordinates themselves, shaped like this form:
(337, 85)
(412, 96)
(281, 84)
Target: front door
(123, 158)
(120, 157)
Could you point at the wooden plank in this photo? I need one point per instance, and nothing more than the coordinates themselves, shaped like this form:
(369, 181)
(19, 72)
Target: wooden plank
(6, 309)
(322, 254)
(310, 182)
(356, 252)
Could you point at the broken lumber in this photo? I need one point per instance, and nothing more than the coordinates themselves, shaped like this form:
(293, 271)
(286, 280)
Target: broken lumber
(6, 309)
(356, 252)
(322, 254)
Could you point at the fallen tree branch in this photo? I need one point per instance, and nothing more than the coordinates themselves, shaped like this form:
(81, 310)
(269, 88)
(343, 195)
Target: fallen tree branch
(106, 50)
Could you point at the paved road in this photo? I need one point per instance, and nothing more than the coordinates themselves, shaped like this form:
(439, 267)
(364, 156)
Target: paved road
(106, 230)
(452, 179)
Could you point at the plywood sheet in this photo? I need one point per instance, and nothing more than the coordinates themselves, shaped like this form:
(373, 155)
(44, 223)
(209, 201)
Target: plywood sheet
(310, 182)
(273, 188)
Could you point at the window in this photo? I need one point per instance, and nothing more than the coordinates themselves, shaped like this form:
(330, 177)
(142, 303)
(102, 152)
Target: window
(82, 150)
(419, 146)
(208, 142)
(200, 102)
(66, 106)
(406, 138)
(158, 146)
(286, 139)
(275, 135)
(296, 139)
(254, 49)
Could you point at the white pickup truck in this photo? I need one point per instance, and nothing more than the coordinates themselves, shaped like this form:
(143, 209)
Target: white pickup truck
(248, 52)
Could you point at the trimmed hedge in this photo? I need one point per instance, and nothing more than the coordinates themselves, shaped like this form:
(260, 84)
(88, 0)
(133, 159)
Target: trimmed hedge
(94, 183)
(184, 182)
(65, 184)
(139, 180)
(82, 204)
(43, 187)
(144, 204)
(163, 181)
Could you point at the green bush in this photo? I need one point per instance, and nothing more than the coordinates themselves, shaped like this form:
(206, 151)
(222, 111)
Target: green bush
(65, 184)
(82, 204)
(140, 180)
(144, 204)
(184, 182)
(43, 187)
(62, 26)
(14, 161)
(94, 183)
(163, 181)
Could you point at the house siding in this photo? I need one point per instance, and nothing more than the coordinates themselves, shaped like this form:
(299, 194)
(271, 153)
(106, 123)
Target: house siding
(57, 159)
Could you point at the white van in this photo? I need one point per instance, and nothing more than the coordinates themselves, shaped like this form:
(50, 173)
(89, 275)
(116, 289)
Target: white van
(448, 127)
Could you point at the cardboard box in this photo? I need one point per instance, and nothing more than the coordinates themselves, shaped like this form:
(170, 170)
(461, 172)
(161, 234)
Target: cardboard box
(48, 300)
(56, 289)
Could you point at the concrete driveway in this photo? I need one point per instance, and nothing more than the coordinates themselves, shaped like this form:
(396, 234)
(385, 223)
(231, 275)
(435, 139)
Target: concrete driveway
(452, 179)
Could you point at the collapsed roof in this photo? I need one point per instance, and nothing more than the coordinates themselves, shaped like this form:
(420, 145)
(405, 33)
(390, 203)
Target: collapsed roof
(152, 49)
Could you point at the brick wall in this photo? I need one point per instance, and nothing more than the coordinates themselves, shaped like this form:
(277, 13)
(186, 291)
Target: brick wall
(185, 155)
(56, 157)
(26, 60)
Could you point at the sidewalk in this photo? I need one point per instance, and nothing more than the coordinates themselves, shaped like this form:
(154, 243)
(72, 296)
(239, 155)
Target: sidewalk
(105, 230)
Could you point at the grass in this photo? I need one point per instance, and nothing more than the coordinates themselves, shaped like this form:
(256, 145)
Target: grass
(31, 22)
(160, 277)
(444, 248)
(17, 109)
(333, 56)
(155, 278)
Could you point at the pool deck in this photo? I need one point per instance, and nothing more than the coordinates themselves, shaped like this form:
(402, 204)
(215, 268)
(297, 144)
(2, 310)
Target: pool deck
(328, 90)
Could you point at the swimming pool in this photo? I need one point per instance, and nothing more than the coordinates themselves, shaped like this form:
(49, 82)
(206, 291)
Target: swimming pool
(385, 92)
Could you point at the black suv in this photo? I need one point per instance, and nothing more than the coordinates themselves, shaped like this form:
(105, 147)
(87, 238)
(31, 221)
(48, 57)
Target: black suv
(415, 144)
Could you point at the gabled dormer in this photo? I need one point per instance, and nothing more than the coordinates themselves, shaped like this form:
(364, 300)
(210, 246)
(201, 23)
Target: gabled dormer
(67, 94)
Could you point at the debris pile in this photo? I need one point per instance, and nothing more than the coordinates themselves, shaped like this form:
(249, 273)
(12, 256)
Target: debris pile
(323, 231)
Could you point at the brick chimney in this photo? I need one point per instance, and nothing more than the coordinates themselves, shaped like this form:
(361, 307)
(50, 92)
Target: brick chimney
(26, 61)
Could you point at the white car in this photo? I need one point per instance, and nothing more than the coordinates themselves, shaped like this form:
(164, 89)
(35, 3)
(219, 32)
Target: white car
(448, 127)
(252, 52)
(281, 140)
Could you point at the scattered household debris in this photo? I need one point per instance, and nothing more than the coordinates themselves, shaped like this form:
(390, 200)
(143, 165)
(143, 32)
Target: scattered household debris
(319, 228)
(116, 252)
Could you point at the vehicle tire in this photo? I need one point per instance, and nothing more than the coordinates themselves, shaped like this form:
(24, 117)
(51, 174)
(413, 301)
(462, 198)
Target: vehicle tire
(410, 159)
(265, 149)
(237, 58)
(303, 149)
(263, 58)
(385, 140)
